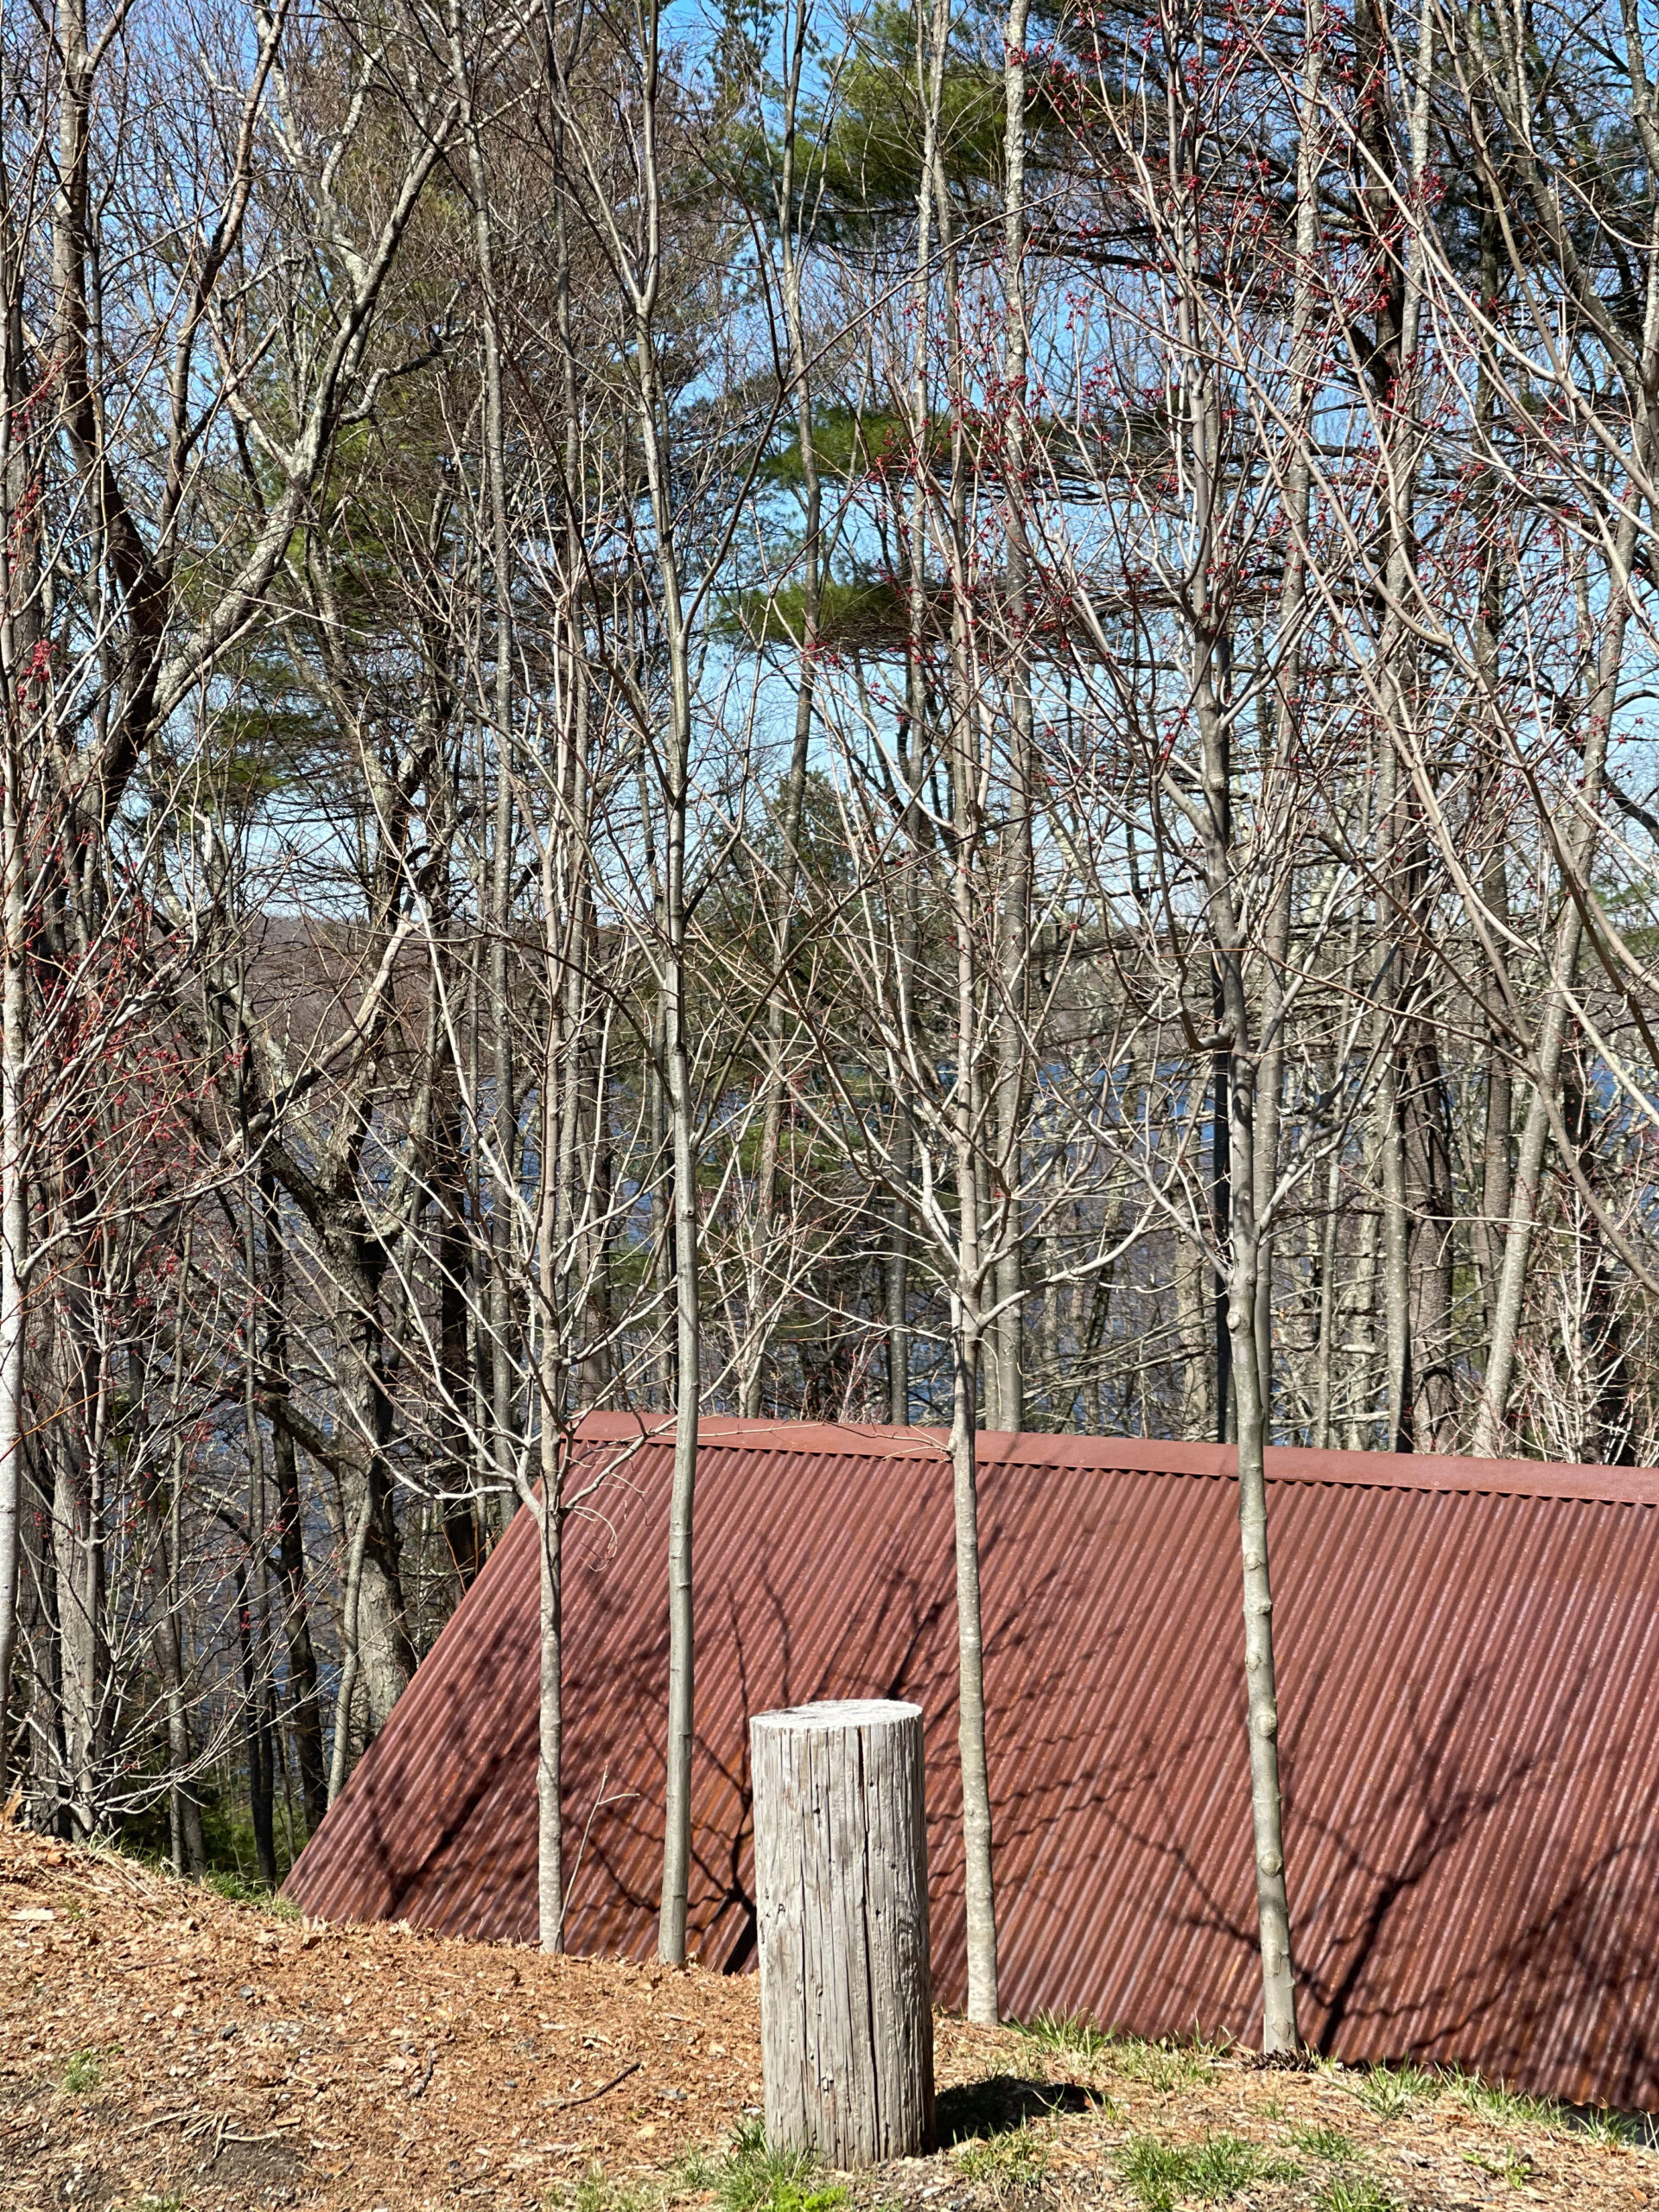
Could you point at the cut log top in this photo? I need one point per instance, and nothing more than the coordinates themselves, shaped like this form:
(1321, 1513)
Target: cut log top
(836, 1714)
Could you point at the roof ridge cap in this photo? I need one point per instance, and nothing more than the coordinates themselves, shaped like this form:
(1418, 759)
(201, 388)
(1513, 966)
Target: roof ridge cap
(1427, 1472)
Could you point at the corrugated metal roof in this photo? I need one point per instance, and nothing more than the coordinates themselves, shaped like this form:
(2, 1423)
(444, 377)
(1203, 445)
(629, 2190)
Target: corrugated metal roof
(1469, 1668)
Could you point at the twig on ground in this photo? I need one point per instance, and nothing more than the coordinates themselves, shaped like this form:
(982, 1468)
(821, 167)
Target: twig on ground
(569, 2104)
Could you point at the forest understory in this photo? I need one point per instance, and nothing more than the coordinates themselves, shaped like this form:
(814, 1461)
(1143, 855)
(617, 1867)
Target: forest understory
(163, 2047)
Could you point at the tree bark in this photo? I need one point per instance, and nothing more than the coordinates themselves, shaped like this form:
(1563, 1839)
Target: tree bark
(841, 1901)
(350, 1609)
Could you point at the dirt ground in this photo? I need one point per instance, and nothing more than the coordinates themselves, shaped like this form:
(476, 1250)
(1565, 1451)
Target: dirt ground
(162, 2047)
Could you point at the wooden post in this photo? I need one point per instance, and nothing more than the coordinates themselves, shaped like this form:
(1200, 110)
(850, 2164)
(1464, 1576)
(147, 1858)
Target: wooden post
(841, 1891)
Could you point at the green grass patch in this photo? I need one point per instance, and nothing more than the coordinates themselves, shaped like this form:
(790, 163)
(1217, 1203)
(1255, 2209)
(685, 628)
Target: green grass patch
(239, 1889)
(1387, 2090)
(1068, 2037)
(1357, 2193)
(1005, 2165)
(82, 2072)
(1490, 2101)
(1159, 2066)
(744, 2176)
(694, 2175)
(753, 2179)
(597, 2192)
(1159, 2176)
(1603, 2127)
(1321, 2142)
(1510, 2166)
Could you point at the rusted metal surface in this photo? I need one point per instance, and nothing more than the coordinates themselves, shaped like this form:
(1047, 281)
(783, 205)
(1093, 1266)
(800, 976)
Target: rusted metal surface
(1469, 1672)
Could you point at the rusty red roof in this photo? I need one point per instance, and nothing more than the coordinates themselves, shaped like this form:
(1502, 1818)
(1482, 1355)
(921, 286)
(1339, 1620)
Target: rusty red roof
(1469, 1669)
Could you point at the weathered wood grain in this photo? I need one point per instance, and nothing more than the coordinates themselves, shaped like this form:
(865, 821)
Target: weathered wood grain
(841, 1891)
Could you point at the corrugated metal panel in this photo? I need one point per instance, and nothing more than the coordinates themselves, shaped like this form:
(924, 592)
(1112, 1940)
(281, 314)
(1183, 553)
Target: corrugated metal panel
(1469, 1668)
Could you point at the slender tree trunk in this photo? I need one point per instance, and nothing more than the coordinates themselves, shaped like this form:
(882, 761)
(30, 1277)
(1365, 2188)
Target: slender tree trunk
(550, 1728)
(967, 1115)
(14, 1200)
(1428, 1168)
(965, 1349)
(1272, 1907)
(504, 1143)
(349, 1603)
(1192, 1275)
(305, 1699)
(1220, 1204)
(380, 1633)
(795, 780)
(1389, 1142)
(1325, 1379)
(188, 1846)
(896, 1284)
(256, 1735)
(1395, 397)
(965, 1334)
(253, 1616)
(1212, 815)
(1242, 1262)
(896, 1269)
(549, 1530)
(19, 728)
(463, 1532)
(78, 1540)
(1497, 1087)
(1014, 916)
(676, 1856)
(980, 1899)
(1579, 847)
(1292, 615)
(186, 1850)
(643, 281)
(1496, 1081)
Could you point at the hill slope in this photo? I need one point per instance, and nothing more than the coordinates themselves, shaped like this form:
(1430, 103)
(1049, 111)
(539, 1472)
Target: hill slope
(162, 2046)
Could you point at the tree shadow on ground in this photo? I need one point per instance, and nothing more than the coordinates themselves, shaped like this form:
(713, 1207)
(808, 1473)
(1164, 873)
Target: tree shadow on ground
(1002, 2103)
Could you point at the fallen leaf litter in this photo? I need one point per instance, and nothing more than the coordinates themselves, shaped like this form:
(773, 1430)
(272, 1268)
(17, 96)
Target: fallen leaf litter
(158, 2044)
